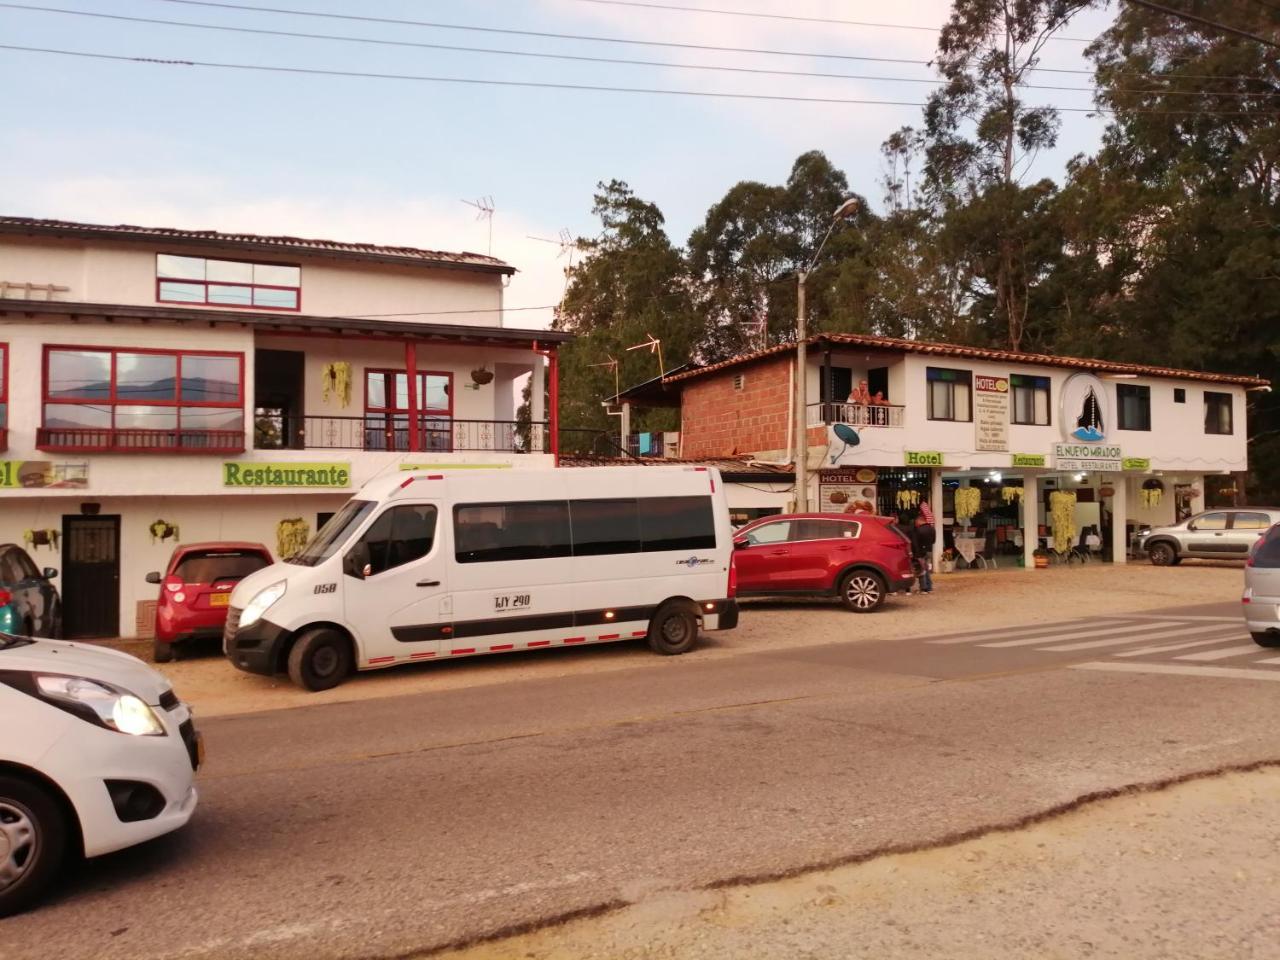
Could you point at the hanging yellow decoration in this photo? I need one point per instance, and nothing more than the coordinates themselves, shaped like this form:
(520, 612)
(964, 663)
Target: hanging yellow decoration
(908, 499)
(1152, 493)
(291, 537)
(1062, 519)
(1010, 494)
(336, 378)
(968, 502)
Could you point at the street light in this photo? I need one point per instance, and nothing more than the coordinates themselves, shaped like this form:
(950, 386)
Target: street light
(844, 211)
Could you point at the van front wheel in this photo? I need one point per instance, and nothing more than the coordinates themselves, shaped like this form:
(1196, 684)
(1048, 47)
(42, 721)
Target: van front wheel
(320, 659)
(673, 630)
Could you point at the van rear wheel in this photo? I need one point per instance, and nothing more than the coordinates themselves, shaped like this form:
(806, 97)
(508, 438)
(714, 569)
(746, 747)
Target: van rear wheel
(320, 659)
(673, 630)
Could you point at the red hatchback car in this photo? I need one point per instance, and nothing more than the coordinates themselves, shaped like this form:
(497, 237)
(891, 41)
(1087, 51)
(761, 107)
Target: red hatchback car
(196, 588)
(860, 559)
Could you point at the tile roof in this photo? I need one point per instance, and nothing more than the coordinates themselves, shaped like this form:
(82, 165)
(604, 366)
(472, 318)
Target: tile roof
(334, 248)
(974, 353)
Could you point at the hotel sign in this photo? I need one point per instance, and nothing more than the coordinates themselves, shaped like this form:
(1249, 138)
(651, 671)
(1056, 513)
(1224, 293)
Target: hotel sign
(1098, 457)
(922, 458)
(991, 413)
(286, 474)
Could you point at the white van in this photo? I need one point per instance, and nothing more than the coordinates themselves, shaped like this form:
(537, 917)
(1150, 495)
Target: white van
(433, 565)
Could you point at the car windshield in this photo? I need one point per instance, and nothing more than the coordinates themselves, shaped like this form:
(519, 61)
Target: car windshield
(8, 641)
(333, 534)
(206, 566)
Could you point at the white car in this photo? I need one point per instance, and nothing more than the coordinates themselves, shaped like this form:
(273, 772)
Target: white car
(1261, 600)
(96, 754)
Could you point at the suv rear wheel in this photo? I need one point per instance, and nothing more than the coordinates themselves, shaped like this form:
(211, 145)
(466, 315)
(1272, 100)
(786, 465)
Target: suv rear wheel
(1270, 638)
(33, 842)
(1163, 555)
(863, 591)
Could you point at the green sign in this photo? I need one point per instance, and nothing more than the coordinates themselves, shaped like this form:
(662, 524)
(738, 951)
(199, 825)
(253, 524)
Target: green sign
(923, 458)
(1135, 463)
(1029, 459)
(43, 473)
(286, 474)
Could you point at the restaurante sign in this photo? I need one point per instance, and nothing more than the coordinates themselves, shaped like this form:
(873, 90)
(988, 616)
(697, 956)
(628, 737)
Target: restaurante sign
(286, 474)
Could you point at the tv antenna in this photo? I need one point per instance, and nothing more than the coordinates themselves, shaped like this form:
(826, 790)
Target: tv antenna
(568, 247)
(485, 209)
(612, 364)
(653, 345)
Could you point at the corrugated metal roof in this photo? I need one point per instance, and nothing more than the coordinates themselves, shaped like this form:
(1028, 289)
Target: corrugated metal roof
(364, 251)
(975, 353)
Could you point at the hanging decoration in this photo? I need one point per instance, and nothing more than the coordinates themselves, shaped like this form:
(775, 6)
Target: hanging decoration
(291, 536)
(481, 375)
(1062, 519)
(41, 538)
(907, 499)
(1152, 492)
(1010, 494)
(162, 530)
(1106, 490)
(336, 378)
(968, 503)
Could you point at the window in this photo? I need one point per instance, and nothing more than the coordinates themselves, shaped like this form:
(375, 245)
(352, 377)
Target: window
(142, 399)
(1210, 521)
(779, 532)
(333, 534)
(837, 385)
(11, 572)
(677, 523)
(206, 566)
(228, 283)
(1030, 400)
(1267, 553)
(386, 403)
(1133, 407)
(399, 536)
(949, 393)
(602, 527)
(827, 530)
(740, 381)
(536, 530)
(1250, 521)
(1217, 412)
(1179, 395)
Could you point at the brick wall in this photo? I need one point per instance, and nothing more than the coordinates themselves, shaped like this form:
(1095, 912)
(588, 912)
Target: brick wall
(718, 421)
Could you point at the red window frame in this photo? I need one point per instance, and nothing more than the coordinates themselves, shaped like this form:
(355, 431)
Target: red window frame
(223, 283)
(388, 414)
(4, 396)
(114, 400)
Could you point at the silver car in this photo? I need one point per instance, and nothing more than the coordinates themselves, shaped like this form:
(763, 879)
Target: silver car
(1261, 600)
(1215, 535)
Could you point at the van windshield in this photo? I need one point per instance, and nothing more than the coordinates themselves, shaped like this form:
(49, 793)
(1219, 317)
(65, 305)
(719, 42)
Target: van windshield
(333, 534)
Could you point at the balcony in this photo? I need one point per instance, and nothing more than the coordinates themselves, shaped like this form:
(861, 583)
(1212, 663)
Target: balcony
(376, 432)
(108, 440)
(857, 414)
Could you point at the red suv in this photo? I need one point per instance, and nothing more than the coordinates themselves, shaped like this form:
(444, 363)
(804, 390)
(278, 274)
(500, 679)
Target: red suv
(860, 559)
(196, 588)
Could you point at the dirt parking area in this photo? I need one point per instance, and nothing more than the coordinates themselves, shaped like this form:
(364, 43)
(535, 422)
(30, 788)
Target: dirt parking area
(962, 601)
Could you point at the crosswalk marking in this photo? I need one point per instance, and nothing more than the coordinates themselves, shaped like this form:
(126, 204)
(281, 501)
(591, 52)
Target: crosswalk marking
(1183, 619)
(1220, 654)
(1185, 645)
(1023, 631)
(1225, 673)
(1270, 660)
(1157, 634)
(1092, 632)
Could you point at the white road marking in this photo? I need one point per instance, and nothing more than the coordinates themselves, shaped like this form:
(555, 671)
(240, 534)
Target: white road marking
(1093, 632)
(1159, 634)
(1157, 616)
(1022, 631)
(1271, 660)
(1222, 673)
(1222, 654)
(1170, 647)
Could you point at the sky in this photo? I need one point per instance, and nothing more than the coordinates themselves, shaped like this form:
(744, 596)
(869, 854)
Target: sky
(391, 161)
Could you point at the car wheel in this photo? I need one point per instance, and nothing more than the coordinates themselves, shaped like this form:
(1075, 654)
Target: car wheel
(1162, 555)
(673, 630)
(863, 591)
(161, 652)
(320, 660)
(33, 843)
(1268, 638)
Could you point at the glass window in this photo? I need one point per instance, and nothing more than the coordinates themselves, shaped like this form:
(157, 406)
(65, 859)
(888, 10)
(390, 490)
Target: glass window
(949, 394)
(146, 376)
(275, 275)
(676, 523)
(1250, 521)
(603, 527)
(1217, 413)
(10, 571)
(180, 268)
(211, 418)
(227, 283)
(400, 535)
(77, 373)
(433, 391)
(1179, 395)
(146, 418)
(1030, 400)
(1210, 521)
(488, 532)
(1133, 404)
(779, 532)
(229, 271)
(225, 295)
(826, 530)
(207, 379)
(277, 299)
(28, 569)
(206, 566)
(182, 292)
(1267, 553)
(334, 534)
(77, 416)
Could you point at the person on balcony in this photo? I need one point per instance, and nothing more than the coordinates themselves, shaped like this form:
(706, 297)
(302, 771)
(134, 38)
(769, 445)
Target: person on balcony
(879, 409)
(860, 397)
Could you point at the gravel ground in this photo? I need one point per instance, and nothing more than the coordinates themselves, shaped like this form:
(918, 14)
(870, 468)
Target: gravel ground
(961, 601)
(1190, 872)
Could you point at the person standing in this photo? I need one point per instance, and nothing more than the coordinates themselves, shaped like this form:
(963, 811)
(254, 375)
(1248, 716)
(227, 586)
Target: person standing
(923, 535)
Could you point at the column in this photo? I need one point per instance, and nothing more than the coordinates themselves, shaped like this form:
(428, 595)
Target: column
(1030, 519)
(935, 501)
(1119, 516)
(553, 424)
(411, 373)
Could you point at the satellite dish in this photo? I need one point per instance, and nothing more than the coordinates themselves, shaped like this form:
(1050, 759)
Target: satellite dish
(846, 433)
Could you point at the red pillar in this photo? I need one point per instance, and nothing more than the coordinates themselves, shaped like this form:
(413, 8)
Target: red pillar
(411, 371)
(554, 400)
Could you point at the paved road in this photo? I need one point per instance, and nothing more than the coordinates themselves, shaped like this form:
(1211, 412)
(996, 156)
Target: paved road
(389, 827)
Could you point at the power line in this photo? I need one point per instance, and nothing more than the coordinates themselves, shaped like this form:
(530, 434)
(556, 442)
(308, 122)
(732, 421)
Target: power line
(1205, 22)
(591, 88)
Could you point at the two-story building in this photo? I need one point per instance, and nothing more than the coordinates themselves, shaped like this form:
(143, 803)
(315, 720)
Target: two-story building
(892, 421)
(162, 385)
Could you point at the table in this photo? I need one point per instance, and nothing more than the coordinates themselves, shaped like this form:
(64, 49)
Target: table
(969, 549)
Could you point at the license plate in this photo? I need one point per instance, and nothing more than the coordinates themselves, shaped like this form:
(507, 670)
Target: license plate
(219, 599)
(511, 601)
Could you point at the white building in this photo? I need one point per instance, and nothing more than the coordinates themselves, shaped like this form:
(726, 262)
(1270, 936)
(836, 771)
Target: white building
(160, 385)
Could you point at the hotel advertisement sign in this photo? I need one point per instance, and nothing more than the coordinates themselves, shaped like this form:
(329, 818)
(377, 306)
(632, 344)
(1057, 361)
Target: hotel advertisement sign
(43, 474)
(1097, 457)
(991, 413)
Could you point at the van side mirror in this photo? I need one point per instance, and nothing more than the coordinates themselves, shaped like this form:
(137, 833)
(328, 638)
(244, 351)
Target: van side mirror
(50, 573)
(152, 577)
(741, 544)
(351, 565)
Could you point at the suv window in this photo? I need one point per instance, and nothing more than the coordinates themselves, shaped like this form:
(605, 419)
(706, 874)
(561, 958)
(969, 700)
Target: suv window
(1267, 553)
(827, 529)
(779, 532)
(1250, 521)
(399, 536)
(206, 566)
(10, 571)
(26, 567)
(1210, 521)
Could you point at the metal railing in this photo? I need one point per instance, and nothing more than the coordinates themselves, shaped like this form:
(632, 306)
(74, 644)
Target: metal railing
(857, 414)
(108, 440)
(390, 432)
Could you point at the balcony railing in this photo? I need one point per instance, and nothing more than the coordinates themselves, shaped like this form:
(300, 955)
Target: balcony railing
(857, 414)
(391, 433)
(107, 440)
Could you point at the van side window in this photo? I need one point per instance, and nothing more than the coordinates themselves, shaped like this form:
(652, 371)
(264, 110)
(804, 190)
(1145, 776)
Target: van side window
(677, 523)
(400, 535)
(537, 530)
(603, 527)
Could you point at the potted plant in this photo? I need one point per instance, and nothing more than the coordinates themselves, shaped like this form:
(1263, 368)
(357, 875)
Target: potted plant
(948, 562)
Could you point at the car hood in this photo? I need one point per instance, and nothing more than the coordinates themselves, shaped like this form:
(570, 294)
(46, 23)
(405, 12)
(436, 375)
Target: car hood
(93, 663)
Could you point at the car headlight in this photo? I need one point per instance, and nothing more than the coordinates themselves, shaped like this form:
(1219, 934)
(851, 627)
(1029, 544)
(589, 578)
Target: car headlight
(261, 603)
(100, 703)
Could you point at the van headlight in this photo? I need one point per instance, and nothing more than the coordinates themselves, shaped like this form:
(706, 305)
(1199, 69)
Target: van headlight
(261, 603)
(99, 703)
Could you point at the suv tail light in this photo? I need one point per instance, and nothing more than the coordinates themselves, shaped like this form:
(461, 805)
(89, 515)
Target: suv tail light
(6, 597)
(732, 590)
